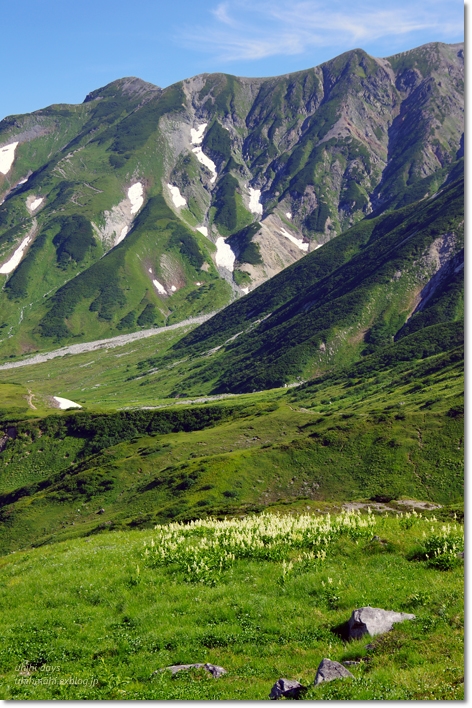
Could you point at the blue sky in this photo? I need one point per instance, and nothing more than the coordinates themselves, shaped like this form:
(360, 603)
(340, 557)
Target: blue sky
(56, 51)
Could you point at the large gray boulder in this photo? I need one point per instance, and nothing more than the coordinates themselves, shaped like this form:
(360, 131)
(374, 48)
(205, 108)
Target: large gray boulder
(285, 688)
(330, 670)
(215, 671)
(373, 620)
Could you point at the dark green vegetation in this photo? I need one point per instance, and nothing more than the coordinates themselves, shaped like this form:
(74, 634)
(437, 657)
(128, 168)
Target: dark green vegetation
(217, 143)
(73, 240)
(242, 244)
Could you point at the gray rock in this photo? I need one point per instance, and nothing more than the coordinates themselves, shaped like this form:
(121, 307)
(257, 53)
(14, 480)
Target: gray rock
(373, 620)
(215, 671)
(330, 670)
(285, 688)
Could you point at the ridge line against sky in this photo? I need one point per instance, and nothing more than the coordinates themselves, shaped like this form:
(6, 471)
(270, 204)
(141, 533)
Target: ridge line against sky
(59, 52)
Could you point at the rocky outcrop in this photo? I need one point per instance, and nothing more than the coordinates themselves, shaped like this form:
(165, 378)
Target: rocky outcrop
(285, 688)
(215, 671)
(330, 670)
(10, 434)
(373, 621)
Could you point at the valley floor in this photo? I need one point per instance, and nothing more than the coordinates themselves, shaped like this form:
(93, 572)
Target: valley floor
(109, 343)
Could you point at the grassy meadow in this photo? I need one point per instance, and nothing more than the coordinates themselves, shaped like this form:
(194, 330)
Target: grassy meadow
(96, 618)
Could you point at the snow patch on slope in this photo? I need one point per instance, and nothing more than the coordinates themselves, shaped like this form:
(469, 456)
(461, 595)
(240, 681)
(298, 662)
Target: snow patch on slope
(196, 136)
(224, 255)
(255, 201)
(15, 260)
(64, 403)
(159, 287)
(136, 197)
(7, 156)
(207, 162)
(297, 241)
(120, 217)
(203, 230)
(177, 198)
(32, 203)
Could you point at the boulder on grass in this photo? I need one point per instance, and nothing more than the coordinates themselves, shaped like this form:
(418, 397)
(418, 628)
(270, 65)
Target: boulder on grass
(285, 688)
(215, 671)
(373, 621)
(330, 670)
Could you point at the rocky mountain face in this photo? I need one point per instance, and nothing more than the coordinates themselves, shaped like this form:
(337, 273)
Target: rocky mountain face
(144, 206)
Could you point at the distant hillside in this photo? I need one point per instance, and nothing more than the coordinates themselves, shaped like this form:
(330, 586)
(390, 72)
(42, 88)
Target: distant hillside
(145, 206)
(387, 280)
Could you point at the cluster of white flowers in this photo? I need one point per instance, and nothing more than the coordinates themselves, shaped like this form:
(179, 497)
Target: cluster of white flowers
(203, 549)
(442, 546)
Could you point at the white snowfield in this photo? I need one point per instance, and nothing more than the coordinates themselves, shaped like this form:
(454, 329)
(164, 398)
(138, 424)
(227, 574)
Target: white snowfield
(201, 157)
(196, 136)
(245, 290)
(224, 255)
(35, 204)
(15, 260)
(7, 156)
(122, 235)
(203, 230)
(110, 343)
(159, 287)
(255, 201)
(119, 219)
(64, 403)
(177, 198)
(288, 214)
(297, 241)
(136, 197)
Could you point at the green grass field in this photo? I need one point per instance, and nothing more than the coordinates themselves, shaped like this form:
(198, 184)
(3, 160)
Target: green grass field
(95, 618)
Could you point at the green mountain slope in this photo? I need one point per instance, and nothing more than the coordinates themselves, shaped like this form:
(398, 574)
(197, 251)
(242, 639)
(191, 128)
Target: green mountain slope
(387, 277)
(117, 209)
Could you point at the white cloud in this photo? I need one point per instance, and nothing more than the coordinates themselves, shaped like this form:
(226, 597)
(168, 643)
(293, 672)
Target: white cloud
(246, 30)
(222, 15)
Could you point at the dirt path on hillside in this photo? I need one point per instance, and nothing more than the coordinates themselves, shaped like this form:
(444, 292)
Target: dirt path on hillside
(29, 398)
(119, 341)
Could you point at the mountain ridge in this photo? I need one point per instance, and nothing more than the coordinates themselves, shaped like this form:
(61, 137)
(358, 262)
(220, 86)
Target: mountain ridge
(283, 165)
